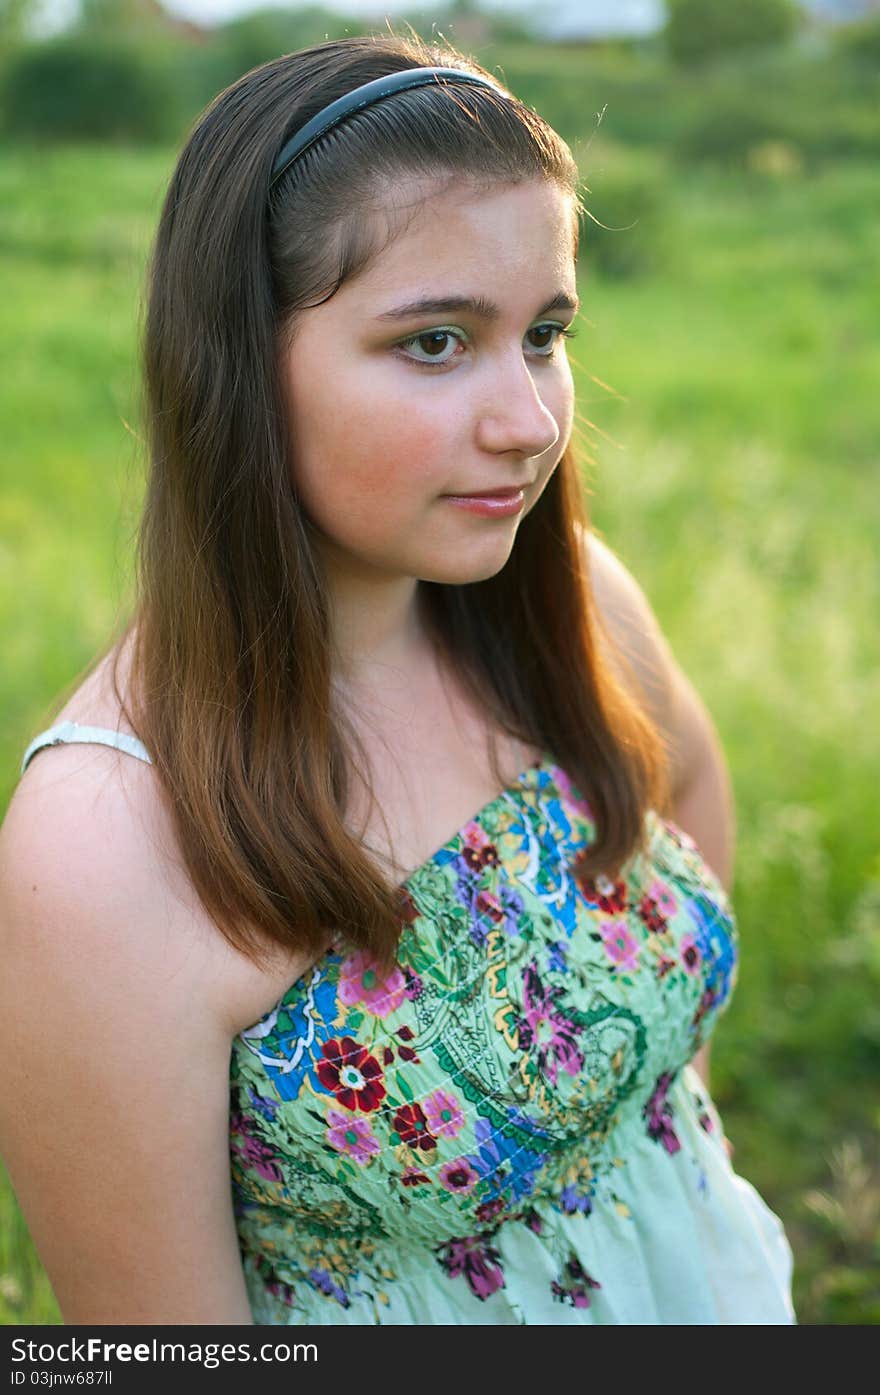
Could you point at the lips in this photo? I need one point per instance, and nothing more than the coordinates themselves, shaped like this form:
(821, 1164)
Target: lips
(506, 493)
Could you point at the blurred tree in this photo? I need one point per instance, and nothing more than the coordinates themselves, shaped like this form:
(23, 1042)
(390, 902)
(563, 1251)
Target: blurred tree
(133, 18)
(87, 86)
(14, 17)
(861, 41)
(254, 38)
(699, 31)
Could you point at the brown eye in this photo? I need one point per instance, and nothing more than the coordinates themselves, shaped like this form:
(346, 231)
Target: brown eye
(548, 331)
(433, 343)
(434, 340)
(557, 331)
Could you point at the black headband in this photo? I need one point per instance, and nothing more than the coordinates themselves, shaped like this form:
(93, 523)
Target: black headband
(365, 96)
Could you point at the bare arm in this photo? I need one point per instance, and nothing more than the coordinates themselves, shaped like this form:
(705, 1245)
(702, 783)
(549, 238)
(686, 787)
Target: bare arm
(114, 1108)
(701, 789)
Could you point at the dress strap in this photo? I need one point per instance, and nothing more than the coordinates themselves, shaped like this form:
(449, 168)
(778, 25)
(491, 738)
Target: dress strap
(65, 732)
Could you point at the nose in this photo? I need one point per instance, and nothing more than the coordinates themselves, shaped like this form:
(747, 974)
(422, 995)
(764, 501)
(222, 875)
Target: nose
(514, 416)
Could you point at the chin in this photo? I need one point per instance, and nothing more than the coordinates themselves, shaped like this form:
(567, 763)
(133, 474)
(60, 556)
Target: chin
(462, 571)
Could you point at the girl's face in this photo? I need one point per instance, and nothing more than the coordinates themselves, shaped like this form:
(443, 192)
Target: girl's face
(395, 407)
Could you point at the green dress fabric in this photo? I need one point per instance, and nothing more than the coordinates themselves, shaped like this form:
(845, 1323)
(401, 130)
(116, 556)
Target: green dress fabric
(505, 1128)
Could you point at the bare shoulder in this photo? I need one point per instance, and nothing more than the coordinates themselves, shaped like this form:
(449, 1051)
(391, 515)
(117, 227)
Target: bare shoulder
(88, 844)
(628, 632)
(624, 610)
(87, 866)
(115, 1091)
(637, 648)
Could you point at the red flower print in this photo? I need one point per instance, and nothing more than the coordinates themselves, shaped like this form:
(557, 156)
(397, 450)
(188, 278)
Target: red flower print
(413, 1178)
(412, 1126)
(651, 914)
(353, 1075)
(601, 891)
(489, 905)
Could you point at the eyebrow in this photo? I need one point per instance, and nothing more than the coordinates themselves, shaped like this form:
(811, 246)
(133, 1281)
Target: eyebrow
(474, 305)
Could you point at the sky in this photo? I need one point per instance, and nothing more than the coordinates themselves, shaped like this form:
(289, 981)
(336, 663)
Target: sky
(563, 16)
(633, 16)
(625, 12)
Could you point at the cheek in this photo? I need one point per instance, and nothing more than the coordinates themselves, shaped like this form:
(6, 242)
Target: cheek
(364, 462)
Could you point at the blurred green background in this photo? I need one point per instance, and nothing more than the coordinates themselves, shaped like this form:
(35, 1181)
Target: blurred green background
(728, 377)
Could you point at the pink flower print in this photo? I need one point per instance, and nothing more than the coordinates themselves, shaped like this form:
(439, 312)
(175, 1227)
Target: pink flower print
(659, 1115)
(352, 1136)
(459, 1176)
(663, 898)
(360, 982)
(690, 954)
(620, 944)
(679, 837)
(478, 851)
(566, 789)
(477, 1260)
(545, 1030)
(414, 987)
(577, 1282)
(444, 1114)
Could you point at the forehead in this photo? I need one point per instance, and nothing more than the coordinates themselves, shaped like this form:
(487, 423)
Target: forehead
(507, 242)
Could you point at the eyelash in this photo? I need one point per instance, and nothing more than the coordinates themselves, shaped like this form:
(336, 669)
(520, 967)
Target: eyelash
(561, 333)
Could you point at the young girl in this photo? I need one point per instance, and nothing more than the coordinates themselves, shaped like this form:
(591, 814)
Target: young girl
(357, 954)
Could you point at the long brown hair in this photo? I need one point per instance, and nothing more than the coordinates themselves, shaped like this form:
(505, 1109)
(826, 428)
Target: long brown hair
(230, 684)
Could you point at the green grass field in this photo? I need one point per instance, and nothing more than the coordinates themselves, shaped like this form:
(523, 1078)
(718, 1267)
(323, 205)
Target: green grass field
(729, 403)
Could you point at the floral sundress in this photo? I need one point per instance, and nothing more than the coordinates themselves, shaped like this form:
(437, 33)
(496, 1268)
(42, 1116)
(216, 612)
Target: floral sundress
(505, 1129)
